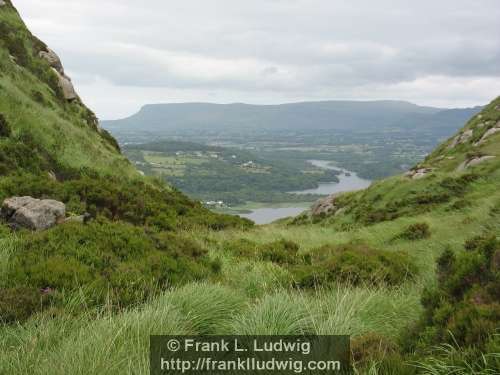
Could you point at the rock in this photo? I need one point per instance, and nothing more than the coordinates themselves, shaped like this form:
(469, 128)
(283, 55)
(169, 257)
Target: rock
(66, 86)
(2, 3)
(418, 173)
(11, 205)
(461, 138)
(53, 60)
(31, 213)
(325, 206)
(473, 162)
(488, 134)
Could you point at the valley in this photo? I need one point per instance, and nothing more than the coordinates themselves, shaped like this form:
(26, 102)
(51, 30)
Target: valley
(106, 242)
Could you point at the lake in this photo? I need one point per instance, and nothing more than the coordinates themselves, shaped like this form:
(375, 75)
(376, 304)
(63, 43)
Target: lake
(348, 181)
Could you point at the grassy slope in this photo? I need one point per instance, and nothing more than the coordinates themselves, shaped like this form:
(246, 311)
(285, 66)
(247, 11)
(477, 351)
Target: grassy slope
(252, 296)
(249, 296)
(60, 129)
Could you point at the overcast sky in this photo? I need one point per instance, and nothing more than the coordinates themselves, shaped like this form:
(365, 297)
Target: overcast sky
(122, 54)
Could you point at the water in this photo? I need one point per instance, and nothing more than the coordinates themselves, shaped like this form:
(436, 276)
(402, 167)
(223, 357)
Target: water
(348, 181)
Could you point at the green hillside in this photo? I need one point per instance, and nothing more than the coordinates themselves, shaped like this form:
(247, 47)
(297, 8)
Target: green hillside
(408, 267)
(52, 147)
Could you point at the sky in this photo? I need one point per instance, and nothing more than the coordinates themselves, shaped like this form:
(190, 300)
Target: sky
(122, 54)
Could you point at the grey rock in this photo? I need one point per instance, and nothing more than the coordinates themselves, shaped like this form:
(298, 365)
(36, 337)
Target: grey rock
(53, 60)
(461, 138)
(473, 162)
(11, 205)
(488, 134)
(416, 174)
(67, 86)
(325, 206)
(34, 214)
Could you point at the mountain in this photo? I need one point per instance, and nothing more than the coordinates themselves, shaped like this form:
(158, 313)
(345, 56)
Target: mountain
(328, 115)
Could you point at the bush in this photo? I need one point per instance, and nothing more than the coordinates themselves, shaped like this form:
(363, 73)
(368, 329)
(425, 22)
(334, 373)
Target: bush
(19, 303)
(280, 252)
(464, 309)
(418, 231)
(371, 347)
(135, 201)
(356, 264)
(5, 130)
(104, 260)
(242, 248)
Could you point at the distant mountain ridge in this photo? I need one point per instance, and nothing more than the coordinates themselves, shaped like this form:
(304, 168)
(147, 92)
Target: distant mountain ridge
(325, 115)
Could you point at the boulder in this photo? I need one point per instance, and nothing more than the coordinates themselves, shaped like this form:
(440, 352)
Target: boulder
(2, 3)
(325, 206)
(66, 86)
(11, 205)
(461, 138)
(416, 174)
(53, 60)
(31, 213)
(473, 162)
(489, 133)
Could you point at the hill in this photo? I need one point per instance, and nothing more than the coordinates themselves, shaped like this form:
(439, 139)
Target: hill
(408, 267)
(328, 115)
(53, 148)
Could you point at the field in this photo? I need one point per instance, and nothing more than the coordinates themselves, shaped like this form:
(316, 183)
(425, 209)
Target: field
(233, 176)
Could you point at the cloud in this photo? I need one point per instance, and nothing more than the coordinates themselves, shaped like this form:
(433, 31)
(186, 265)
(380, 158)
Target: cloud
(267, 51)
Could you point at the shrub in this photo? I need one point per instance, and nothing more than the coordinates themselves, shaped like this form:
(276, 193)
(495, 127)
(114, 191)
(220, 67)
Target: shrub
(416, 231)
(280, 252)
(356, 264)
(135, 201)
(242, 248)
(371, 347)
(5, 130)
(105, 259)
(464, 309)
(17, 48)
(19, 303)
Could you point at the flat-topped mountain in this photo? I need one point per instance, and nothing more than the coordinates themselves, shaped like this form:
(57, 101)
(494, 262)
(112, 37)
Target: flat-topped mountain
(327, 115)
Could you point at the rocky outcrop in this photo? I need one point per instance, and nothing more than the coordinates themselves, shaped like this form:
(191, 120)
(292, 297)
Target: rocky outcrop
(53, 60)
(473, 162)
(489, 133)
(325, 206)
(66, 86)
(31, 213)
(65, 83)
(461, 138)
(418, 173)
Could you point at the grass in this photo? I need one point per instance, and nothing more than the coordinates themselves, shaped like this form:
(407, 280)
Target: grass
(117, 344)
(241, 295)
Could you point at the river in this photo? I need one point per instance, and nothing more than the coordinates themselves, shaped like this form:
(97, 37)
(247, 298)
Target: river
(348, 181)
